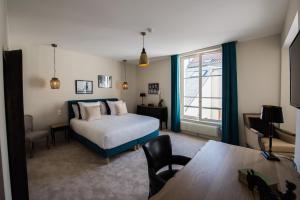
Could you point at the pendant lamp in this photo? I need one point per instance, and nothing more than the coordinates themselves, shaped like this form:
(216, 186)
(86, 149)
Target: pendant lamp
(144, 62)
(54, 82)
(125, 83)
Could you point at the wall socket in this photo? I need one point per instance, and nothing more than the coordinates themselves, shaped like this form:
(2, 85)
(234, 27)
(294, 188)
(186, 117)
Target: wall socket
(59, 112)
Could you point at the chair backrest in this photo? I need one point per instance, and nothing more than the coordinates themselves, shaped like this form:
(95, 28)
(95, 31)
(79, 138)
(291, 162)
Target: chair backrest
(158, 152)
(28, 122)
(252, 120)
(247, 117)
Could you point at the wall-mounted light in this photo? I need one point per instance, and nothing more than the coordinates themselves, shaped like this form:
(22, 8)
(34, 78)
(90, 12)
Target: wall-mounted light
(54, 82)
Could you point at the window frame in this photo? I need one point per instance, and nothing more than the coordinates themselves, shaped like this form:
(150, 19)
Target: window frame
(182, 57)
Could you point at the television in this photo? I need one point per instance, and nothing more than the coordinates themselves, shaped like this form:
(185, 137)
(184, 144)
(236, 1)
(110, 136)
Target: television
(295, 72)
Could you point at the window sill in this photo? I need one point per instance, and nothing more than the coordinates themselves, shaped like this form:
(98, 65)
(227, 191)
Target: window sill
(212, 123)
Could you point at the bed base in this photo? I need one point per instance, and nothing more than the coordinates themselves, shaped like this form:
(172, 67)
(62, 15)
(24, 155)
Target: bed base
(108, 153)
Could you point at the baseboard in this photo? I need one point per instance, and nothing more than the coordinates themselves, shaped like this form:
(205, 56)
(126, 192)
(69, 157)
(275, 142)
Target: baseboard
(203, 136)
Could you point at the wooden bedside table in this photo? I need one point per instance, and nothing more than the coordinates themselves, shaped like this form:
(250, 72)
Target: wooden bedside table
(59, 127)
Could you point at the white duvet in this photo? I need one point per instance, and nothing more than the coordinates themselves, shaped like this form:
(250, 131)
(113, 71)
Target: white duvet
(113, 130)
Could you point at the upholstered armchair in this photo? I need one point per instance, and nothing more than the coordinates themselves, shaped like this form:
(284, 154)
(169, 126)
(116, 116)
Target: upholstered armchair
(283, 141)
(32, 136)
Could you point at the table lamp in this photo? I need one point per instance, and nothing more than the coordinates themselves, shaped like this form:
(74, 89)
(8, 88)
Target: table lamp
(271, 114)
(142, 95)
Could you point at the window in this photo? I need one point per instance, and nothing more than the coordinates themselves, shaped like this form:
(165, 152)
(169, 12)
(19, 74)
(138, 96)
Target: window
(201, 80)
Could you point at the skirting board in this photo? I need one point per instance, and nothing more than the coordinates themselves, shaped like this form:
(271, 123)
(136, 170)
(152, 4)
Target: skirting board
(201, 135)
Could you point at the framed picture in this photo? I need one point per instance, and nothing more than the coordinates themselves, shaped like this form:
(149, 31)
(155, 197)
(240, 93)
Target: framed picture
(83, 87)
(153, 88)
(104, 81)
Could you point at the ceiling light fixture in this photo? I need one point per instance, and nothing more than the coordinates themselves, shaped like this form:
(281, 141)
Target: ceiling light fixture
(143, 62)
(125, 83)
(54, 82)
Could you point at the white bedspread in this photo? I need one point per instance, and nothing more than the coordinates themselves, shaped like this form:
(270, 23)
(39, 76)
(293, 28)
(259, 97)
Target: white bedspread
(113, 130)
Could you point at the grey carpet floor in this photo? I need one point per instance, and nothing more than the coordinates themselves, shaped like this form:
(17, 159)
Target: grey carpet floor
(71, 171)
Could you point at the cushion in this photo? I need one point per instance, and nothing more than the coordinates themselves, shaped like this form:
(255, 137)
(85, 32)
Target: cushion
(82, 106)
(75, 110)
(121, 108)
(103, 108)
(278, 146)
(112, 106)
(34, 135)
(93, 113)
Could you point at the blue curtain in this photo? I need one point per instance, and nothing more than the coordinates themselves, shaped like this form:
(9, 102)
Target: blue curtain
(175, 93)
(230, 132)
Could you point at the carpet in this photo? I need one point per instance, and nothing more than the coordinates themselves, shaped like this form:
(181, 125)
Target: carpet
(71, 171)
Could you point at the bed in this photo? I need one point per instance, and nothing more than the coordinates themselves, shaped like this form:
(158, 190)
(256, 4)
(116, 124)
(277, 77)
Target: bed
(112, 134)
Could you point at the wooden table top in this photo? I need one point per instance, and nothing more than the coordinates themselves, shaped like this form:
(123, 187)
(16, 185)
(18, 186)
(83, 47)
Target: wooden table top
(59, 125)
(213, 174)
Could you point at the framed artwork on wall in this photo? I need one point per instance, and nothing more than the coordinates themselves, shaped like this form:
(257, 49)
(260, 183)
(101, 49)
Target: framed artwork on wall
(153, 88)
(83, 87)
(104, 81)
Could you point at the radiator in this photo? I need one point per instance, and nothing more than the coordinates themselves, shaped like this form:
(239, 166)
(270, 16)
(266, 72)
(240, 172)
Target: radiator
(201, 129)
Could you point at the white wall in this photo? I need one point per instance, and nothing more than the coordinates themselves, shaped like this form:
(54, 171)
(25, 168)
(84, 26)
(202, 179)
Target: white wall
(258, 71)
(158, 72)
(258, 74)
(3, 139)
(130, 95)
(44, 103)
(289, 112)
(293, 8)
(290, 29)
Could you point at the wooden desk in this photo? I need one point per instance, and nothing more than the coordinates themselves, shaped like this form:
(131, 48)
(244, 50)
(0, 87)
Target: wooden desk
(160, 113)
(213, 174)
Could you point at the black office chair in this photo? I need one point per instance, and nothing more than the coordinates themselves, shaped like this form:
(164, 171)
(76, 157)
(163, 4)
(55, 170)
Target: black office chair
(159, 154)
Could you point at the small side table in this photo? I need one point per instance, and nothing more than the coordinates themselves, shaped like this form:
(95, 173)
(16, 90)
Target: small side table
(59, 127)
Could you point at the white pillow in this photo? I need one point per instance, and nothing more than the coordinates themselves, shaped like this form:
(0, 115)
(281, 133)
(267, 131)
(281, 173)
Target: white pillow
(75, 110)
(82, 106)
(92, 113)
(103, 108)
(112, 106)
(121, 108)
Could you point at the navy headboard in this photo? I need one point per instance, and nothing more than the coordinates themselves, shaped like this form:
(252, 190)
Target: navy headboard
(71, 102)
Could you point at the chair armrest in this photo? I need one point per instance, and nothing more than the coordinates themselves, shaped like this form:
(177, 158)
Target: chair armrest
(180, 160)
(286, 135)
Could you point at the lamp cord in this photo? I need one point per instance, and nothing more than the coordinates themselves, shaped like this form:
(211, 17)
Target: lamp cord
(125, 71)
(143, 41)
(54, 64)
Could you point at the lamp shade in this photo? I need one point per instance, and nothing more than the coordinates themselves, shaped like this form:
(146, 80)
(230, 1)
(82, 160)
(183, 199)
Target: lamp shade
(142, 94)
(144, 62)
(271, 114)
(55, 83)
(125, 85)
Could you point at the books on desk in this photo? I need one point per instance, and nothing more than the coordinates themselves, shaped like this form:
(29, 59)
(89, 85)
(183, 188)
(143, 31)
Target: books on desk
(268, 180)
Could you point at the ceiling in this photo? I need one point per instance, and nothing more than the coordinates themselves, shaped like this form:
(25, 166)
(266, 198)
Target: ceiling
(110, 28)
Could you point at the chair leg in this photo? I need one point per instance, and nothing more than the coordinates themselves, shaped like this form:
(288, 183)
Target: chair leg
(31, 150)
(66, 139)
(48, 146)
